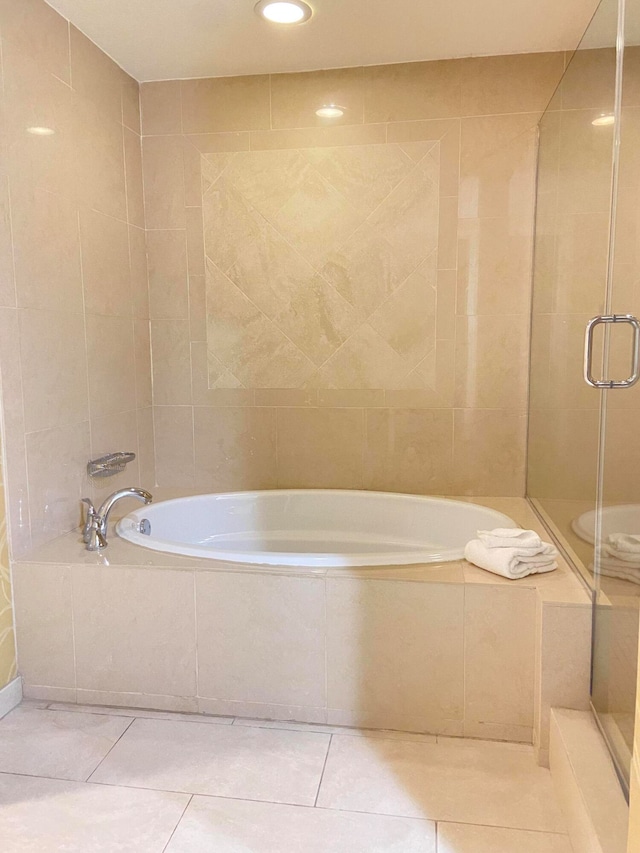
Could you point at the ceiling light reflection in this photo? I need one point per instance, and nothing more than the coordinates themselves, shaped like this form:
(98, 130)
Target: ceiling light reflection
(604, 120)
(330, 111)
(40, 131)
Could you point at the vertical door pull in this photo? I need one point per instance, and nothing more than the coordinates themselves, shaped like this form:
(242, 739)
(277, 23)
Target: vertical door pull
(635, 357)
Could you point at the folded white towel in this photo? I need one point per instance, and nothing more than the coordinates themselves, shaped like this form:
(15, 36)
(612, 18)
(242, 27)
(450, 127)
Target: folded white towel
(629, 543)
(511, 562)
(627, 558)
(510, 537)
(612, 568)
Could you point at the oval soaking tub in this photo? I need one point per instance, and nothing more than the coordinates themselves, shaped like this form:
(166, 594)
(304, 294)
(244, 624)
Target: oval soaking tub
(313, 528)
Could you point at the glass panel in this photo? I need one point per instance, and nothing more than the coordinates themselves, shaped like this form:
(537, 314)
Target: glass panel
(618, 553)
(570, 275)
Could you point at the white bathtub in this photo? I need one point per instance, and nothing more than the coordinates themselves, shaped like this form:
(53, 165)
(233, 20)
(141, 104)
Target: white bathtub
(312, 528)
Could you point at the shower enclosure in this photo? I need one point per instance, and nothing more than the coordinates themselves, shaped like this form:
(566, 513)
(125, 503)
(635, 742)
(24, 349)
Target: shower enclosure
(584, 421)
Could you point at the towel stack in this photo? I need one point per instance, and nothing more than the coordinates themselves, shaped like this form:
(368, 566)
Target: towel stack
(511, 552)
(620, 557)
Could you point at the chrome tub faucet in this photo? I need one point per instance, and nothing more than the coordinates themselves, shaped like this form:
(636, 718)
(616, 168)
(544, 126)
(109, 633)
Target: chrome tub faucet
(94, 532)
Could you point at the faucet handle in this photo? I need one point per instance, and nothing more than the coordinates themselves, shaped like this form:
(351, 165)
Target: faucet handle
(89, 519)
(96, 541)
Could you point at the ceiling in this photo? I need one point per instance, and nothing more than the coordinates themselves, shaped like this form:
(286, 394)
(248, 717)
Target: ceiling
(168, 39)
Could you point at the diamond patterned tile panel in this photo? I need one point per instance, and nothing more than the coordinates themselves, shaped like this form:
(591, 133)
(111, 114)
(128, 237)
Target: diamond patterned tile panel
(321, 267)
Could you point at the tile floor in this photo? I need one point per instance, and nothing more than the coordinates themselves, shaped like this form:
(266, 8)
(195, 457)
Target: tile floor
(88, 779)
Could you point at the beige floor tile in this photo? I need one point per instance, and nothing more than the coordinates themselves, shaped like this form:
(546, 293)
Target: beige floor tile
(230, 761)
(231, 826)
(467, 838)
(479, 782)
(58, 744)
(141, 712)
(49, 815)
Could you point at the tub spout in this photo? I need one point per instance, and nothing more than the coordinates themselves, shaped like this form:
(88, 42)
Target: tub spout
(96, 534)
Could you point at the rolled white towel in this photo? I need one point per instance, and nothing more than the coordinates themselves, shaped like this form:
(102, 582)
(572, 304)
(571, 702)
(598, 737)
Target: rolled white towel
(511, 537)
(628, 543)
(511, 562)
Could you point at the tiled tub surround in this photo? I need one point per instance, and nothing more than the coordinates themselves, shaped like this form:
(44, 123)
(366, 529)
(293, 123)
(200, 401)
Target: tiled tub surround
(446, 648)
(74, 327)
(344, 389)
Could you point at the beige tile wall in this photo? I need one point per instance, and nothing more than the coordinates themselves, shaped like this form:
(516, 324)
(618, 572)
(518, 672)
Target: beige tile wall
(8, 667)
(463, 431)
(74, 329)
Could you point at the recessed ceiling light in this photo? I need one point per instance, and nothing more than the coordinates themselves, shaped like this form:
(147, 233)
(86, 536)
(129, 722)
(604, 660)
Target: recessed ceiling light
(284, 11)
(41, 131)
(330, 111)
(604, 120)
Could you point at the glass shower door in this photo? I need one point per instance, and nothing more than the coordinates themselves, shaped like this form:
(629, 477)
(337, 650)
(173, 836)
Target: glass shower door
(617, 555)
(573, 218)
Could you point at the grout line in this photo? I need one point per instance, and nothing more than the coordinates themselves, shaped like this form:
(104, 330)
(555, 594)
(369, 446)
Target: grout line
(139, 715)
(178, 823)
(324, 767)
(195, 629)
(73, 632)
(499, 826)
(109, 751)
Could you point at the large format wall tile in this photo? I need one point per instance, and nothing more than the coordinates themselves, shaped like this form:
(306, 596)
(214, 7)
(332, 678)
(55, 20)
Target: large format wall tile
(412, 90)
(320, 448)
(235, 448)
(163, 182)
(173, 431)
(225, 104)
(106, 271)
(95, 76)
(499, 659)
(489, 451)
(54, 368)
(388, 645)
(122, 647)
(56, 464)
(44, 620)
(47, 251)
(37, 30)
(261, 638)
(409, 450)
(111, 357)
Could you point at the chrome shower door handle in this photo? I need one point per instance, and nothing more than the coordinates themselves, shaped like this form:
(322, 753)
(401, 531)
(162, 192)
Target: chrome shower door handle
(588, 351)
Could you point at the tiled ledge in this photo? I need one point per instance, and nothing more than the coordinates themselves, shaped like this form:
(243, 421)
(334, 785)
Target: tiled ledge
(561, 586)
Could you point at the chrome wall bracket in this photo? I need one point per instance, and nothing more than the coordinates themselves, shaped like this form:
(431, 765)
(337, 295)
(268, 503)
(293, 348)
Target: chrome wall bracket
(107, 466)
(606, 319)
